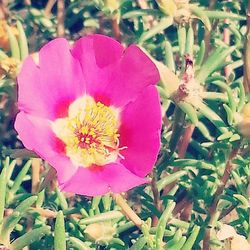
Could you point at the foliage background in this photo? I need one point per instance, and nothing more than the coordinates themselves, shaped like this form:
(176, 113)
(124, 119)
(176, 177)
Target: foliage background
(201, 180)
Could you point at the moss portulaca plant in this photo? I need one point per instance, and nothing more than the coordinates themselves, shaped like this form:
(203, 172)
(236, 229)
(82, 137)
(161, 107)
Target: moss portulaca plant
(80, 110)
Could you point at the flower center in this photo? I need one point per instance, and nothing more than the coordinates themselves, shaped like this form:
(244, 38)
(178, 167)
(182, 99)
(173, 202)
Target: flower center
(90, 132)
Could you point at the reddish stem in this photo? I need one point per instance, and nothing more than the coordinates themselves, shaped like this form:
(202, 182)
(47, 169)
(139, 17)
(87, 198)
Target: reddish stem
(60, 18)
(116, 28)
(213, 208)
(185, 140)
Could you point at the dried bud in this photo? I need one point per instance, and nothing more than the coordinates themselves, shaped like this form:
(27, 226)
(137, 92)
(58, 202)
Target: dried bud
(232, 240)
(101, 232)
(9, 66)
(189, 90)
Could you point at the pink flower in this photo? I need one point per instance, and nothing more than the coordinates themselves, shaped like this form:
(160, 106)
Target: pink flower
(92, 112)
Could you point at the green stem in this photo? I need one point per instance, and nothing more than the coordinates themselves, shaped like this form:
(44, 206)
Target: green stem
(179, 119)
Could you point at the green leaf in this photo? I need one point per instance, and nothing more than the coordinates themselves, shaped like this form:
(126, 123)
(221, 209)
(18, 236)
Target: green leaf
(162, 224)
(174, 244)
(59, 239)
(179, 223)
(182, 39)
(215, 60)
(169, 56)
(214, 96)
(201, 54)
(178, 245)
(229, 114)
(231, 99)
(190, 111)
(163, 182)
(213, 117)
(239, 183)
(200, 14)
(14, 47)
(225, 136)
(29, 238)
(242, 95)
(111, 215)
(141, 12)
(11, 221)
(161, 26)
(204, 131)
(95, 202)
(192, 163)
(235, 137)
(7, 226)
(191, 239)
(80, 245)
(22, 41)
(19, 179)
(139, 244)
(190, 41)
(216, 14)
(62, 199)
(26, 204)
(242, 200)
(106, 200)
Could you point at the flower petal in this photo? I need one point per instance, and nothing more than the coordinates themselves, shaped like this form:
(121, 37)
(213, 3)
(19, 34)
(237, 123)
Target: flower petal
(113, 76)
(56, 82)
(36, 135)
(140, 132)
(101, 180)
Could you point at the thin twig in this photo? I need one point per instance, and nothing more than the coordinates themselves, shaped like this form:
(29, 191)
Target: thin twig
(47, 213)
(60, 18)
(27, 2)
(156, 195)
(4, 12)
(36, 163)
(127, 210)
(116, 27)
(246, 79)
(186, 140)
(227, 211)
(48, 7)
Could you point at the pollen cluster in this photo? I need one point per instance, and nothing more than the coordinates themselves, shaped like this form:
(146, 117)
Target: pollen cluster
(90, 132)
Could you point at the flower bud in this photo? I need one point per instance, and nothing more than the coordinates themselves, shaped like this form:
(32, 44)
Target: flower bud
(168, 7)
(178, 9)
(101, 232)
(111, 5)
(182, 16)
(243, 120)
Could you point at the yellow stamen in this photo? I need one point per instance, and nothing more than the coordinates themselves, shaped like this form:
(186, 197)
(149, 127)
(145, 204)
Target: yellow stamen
(90, 132)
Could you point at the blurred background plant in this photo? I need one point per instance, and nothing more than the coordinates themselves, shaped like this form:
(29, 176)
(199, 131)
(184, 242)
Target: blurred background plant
(199, 193)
